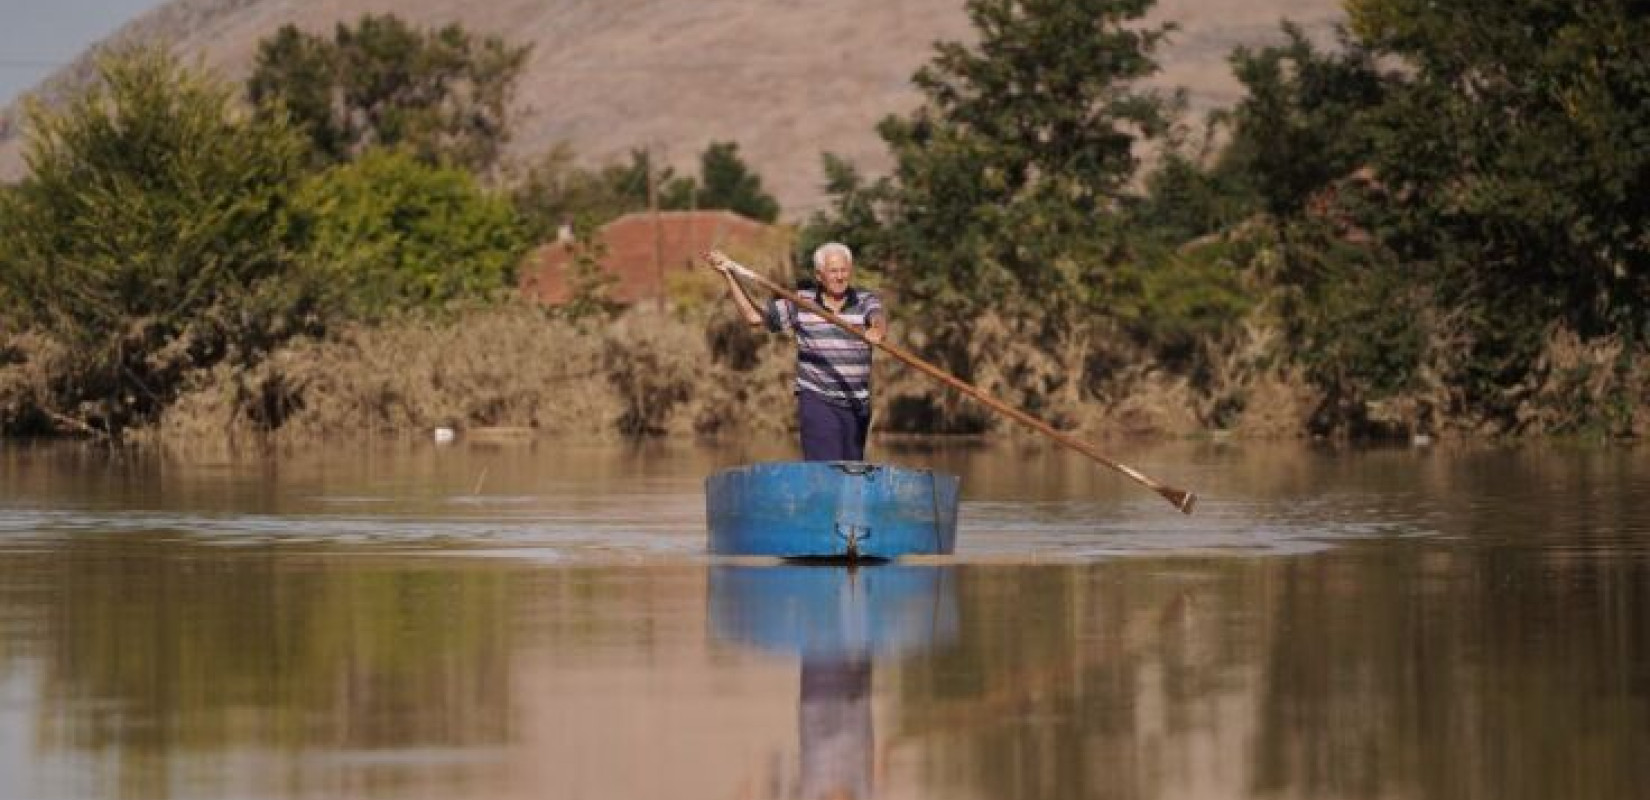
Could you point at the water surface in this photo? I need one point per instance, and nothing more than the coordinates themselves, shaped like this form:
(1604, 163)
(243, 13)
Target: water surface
(540, 620)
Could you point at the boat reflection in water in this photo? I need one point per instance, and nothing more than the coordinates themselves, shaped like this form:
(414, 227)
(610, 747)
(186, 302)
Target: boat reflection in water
(840, 621)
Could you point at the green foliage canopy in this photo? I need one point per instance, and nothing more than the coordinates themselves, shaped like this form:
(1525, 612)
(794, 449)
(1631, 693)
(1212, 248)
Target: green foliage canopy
(444, 94)
(153, 234)
(1299, 127)
(1438, 218)
(1006, 180)
(394, 233)
(1522, 138)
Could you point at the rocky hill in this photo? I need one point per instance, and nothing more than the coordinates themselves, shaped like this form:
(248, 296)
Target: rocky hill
(787, 79)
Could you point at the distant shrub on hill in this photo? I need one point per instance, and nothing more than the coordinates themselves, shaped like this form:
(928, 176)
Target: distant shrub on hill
(442, 94)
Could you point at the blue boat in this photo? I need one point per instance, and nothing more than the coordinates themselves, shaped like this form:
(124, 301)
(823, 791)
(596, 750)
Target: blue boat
(831, 510)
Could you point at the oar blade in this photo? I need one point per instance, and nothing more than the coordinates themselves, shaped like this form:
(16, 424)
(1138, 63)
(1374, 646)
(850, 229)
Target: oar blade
(1180, 498)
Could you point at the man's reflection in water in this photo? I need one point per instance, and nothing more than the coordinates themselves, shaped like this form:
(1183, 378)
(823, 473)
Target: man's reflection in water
(837, 738)
(839, 620)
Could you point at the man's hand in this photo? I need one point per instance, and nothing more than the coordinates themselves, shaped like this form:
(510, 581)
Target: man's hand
(877, 330)
(719, 261)
(727, 266)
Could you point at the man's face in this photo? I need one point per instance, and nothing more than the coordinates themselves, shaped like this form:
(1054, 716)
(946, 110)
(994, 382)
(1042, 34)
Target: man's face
(835, 273)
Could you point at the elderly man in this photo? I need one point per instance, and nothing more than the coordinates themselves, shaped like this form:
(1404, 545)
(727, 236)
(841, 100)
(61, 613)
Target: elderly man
(833, 368)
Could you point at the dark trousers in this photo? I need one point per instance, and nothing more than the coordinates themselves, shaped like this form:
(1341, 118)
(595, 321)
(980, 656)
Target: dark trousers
(831, 432)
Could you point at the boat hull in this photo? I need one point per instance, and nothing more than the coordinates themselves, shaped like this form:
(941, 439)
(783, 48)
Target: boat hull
(835, 509)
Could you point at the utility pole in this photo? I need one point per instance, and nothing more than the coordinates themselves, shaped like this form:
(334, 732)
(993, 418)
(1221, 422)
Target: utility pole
(658, 228)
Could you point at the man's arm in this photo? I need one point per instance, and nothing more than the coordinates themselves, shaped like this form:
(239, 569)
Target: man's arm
(747, 307)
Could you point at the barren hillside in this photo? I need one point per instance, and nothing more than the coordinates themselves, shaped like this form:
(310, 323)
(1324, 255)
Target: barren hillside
(787, 79)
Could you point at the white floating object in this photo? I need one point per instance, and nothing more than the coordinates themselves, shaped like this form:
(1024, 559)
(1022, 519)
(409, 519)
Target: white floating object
(445, 435)
(1420, 440)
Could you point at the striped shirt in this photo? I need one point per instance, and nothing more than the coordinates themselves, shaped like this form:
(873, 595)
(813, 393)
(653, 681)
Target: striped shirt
(830, 362)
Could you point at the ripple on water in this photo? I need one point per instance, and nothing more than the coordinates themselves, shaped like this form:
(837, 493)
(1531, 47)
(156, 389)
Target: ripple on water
(538, 536)
(672, 526)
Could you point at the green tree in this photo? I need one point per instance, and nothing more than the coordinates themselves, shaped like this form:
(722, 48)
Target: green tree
(725, 181)
(1301, 124)
(1437, 221)
(152, 236)
(1006, 180)
(1001, 226)
(1519, 138)
(851, 213)
(394, 233)
(445, 93)
(1524, 133)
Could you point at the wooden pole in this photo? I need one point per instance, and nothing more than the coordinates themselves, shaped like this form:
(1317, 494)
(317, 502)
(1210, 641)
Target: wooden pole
(1180, 498)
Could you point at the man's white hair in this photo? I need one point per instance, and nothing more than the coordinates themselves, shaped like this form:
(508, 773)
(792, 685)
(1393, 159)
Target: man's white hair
(825, 250)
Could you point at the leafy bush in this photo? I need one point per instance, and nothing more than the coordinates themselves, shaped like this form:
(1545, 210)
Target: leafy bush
(1187, 297)
(391, 233)
(153, 235)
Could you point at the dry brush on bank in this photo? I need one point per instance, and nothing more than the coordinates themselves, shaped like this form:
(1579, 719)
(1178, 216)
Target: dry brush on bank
(511, 366)
(647, 373)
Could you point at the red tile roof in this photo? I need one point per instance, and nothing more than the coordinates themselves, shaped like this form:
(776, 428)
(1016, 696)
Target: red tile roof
(643, 248)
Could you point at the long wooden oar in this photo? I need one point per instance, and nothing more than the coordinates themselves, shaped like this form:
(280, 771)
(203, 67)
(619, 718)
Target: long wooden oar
(1180, 498)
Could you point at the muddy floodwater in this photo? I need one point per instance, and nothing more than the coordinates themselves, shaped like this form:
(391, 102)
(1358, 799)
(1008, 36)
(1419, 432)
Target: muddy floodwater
(541, 620)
